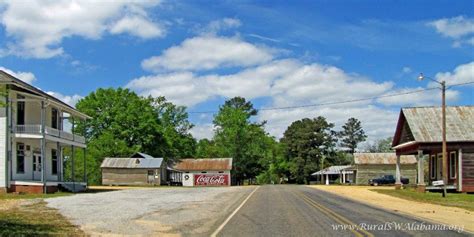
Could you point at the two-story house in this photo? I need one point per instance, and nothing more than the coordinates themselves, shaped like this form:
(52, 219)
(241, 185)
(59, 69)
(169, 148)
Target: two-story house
(35, 131)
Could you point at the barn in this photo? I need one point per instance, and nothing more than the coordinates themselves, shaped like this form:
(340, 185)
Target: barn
(138, 169)
(204, 172)
(374, 165)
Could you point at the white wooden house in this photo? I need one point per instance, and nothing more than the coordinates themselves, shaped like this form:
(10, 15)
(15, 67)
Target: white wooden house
(35, 127)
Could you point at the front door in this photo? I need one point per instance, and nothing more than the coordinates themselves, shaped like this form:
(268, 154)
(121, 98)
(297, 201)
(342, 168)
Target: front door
(439, 168)
(151, 176)
(37, 166)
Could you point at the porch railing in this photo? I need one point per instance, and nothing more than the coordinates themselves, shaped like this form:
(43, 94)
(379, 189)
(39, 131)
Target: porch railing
(36, 130)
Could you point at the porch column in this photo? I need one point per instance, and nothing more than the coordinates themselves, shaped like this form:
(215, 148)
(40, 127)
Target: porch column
(327, 179)
(84, 150)
(60, 163)
(72, 170)
(420, 173)
(459, 188)
(398, 182)
(43, 147)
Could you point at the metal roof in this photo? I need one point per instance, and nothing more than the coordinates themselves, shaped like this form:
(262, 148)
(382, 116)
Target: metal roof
(335, 169)
(425, 123)
(195, 164)
(382, 159)
(133, 163)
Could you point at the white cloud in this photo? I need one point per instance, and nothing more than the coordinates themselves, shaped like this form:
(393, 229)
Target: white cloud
(426, 98)
(209, 52)
(223, 24)
(27, 77)
(137, 26)
(459, 28)
(201, 131)
(68, 99)
(37, 29)
(461, 74)
(406, 70)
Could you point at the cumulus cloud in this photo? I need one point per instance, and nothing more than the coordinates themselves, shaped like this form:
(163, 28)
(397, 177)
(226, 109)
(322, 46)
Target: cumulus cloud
(461, 74)
(223, 24)
(459, 28)
(201, 131)
(37, 29)
(208, 52)
(27, 77)
(68, 99)
(429, 97)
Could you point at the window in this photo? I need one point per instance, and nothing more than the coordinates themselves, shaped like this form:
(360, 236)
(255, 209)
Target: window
(203, 172)
(452, 165)
(20, 158)
(54, 118)
(54, 162)
(20, 112)
(433, 166)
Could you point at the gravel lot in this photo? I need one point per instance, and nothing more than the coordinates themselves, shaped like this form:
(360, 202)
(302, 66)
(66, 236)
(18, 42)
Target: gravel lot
(151, 211)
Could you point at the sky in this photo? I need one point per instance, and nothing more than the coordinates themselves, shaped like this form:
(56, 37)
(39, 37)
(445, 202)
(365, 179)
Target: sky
(274, 53)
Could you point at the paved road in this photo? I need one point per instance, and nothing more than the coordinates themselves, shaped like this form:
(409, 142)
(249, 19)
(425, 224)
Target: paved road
(290, 210)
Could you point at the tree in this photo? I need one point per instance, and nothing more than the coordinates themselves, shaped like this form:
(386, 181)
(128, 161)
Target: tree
(307, 143)
(237, 137)
(206, 149)
(382, 145)
(352, 134)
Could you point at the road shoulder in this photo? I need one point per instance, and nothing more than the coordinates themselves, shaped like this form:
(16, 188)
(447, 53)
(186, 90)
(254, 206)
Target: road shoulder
(431, 212)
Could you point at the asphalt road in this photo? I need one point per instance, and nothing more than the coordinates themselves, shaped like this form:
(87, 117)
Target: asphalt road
(291, 210)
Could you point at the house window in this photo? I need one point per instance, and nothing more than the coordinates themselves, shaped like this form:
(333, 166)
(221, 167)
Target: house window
(433, 167)
(20, 111)
(20, 158)
(54, 162)
(452, 165)
(54, 118)
(203, 172)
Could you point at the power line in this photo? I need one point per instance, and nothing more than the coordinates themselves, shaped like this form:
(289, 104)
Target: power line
(341, 102)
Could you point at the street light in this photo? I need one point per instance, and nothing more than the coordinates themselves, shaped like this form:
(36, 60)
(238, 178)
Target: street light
(443, 111)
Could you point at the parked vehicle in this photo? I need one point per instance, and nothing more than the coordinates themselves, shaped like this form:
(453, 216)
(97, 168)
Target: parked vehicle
(387, 180)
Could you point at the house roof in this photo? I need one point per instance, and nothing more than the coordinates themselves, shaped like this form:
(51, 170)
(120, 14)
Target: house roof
(142, 155)
(133, 163)
(335, 169)
(9, 79)
(424, 124)
(382, 159)
(195, 164)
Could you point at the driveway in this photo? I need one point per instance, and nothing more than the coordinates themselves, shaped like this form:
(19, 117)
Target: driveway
(174, 211)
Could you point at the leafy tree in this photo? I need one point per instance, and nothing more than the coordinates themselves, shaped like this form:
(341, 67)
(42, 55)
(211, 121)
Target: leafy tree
(237, 137)
(382, 145)
(307, 143)
(206, 149)
(352, 134)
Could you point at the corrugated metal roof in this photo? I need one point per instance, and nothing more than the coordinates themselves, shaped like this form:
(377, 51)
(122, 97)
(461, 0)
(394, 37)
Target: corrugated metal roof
(134, 163)
(335, 169)
(382, 158)
(194, 164)
(425, 123)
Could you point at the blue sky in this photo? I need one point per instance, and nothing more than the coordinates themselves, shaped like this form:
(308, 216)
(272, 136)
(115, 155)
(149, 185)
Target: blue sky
(275, 53)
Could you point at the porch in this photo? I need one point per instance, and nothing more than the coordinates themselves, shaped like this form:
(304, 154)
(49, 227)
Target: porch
(34, 186)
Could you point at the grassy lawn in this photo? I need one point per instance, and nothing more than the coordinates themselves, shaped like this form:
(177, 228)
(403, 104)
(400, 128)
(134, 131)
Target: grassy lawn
(35, 220)
(32, 196)
(461, 200)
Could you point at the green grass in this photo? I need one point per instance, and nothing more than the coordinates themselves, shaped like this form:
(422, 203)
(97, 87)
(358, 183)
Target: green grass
(32, 196)
(35, 220)
(461, 200)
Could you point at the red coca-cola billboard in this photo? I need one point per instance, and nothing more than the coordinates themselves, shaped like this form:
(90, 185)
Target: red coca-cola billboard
(211, 180)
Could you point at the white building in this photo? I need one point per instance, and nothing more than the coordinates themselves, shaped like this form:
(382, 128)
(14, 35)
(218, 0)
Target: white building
(35, 127)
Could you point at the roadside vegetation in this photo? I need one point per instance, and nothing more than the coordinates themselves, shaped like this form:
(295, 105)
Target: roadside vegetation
(123, 123)
(34, 220)
(461, 200)
(8, 196)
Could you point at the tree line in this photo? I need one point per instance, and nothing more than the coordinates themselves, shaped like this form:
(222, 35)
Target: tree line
(123, 123)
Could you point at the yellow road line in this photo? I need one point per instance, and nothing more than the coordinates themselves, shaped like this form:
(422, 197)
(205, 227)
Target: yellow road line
(335, 216)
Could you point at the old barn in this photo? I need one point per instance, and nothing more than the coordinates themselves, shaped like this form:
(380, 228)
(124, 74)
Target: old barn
(139, 169)
(203, 172)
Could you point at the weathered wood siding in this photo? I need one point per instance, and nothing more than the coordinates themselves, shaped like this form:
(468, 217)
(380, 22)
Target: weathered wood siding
(366, 172)
(468, 172)
(114, 176)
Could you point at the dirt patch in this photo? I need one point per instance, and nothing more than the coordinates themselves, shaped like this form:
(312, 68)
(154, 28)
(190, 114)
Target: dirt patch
(432, 212)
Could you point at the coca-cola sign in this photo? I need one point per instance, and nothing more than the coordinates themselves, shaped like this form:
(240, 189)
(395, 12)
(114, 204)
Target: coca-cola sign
(211, 179)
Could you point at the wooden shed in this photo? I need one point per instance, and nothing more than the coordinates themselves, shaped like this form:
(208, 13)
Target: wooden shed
(205, 171)
(419, 131)
(139, 169)
(374, 165)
